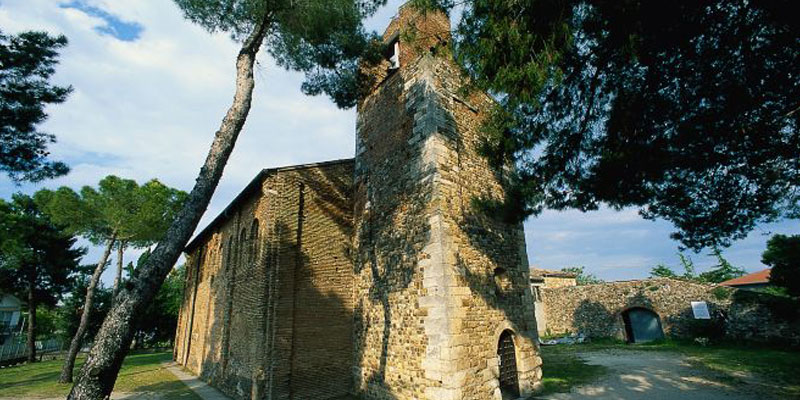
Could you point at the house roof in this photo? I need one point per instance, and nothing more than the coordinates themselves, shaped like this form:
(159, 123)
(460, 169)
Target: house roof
(251, 187)
(749, 279)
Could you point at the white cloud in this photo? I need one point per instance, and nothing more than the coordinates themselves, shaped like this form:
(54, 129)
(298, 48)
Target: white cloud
(149, 108)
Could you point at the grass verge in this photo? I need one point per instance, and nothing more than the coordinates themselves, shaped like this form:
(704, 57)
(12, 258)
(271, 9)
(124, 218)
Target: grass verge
(140, 373)
(562, 369)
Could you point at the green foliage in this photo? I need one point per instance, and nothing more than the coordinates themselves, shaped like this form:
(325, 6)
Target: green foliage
(69, 313)
(721, 293)
(724, 270)
(581, 277)
(138, 215)
(325, 39)
(47, 322)
(783, 255)
(33, 250)
(662, 271)
(162, 314)
(28, 61)
(685, 109)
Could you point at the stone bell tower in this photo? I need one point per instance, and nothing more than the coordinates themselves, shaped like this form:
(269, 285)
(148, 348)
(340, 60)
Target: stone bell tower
(443, 308)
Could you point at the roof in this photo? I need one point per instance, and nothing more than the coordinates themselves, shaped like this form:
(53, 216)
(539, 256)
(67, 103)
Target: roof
(749, 279)
(249, 189)
(550, 273)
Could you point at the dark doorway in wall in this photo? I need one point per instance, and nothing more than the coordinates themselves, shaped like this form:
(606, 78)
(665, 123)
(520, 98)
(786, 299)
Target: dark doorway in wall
(642, 325)
(506, 355)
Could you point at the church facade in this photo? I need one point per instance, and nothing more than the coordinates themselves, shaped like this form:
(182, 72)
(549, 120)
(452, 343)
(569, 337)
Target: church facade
(374, 276)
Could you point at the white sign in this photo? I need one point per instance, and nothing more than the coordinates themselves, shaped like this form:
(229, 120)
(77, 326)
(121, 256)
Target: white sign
(700, 310)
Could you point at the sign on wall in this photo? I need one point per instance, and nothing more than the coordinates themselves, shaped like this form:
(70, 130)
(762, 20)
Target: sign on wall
(700, 310)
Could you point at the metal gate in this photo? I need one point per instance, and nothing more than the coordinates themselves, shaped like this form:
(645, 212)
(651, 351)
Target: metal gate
(509, 382)
(642, 325)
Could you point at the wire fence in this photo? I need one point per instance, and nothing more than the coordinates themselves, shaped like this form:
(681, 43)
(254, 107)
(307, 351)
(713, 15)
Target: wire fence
(15, 348)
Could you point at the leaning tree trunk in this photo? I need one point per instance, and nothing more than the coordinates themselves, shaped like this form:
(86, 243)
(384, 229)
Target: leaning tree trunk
(31, 340)
(75, 345)
(100, 371)
(118, 278)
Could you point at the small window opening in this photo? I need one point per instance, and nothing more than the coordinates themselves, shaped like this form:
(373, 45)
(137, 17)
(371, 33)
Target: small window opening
(502, 282)
(394, 55)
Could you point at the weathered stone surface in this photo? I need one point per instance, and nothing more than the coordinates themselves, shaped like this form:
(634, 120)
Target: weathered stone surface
(429, 308)
(596, 310)
(374, 276)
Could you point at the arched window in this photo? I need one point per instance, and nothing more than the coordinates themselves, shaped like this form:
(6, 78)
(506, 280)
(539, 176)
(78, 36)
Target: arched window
(229, 254)
(242, 248)
(254, 240)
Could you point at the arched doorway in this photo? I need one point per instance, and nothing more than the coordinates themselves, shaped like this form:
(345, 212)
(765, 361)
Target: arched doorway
(507, 358)
(642, 325)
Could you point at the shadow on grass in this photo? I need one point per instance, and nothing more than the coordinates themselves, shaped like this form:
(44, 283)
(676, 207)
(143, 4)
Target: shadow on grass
(140, 373)
(766, 369)
(562, 370)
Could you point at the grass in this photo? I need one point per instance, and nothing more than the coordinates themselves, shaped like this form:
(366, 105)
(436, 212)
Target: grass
(775, 370)
(562, 369)
(140, 373)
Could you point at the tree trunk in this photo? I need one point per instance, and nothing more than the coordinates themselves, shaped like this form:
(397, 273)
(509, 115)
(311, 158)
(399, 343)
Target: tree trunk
(100, 371)
(75, 345)
(31, 340)
(118, 278)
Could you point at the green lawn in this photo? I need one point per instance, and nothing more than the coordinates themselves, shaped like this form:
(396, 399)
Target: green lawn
(140, 373)
(775, 370)
(562, 369)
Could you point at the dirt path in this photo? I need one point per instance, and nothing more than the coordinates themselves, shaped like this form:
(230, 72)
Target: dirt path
(654, 376)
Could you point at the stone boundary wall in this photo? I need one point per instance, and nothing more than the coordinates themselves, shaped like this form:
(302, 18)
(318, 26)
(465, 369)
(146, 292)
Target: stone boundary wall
(596, 310)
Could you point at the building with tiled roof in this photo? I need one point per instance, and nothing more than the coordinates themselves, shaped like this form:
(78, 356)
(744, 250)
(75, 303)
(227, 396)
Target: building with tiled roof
(756, 280)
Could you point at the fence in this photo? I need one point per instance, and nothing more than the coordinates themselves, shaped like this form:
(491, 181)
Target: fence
(16, 349)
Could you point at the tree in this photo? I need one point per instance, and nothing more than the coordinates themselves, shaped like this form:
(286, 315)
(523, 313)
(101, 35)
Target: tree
(323, 39)
(581, 277)
(159, 328)
(783, 255)
(663, 271)
(724, 270)
(36, 258)
(72, 307)
(28, 61)
(685, 109)
(118, 212)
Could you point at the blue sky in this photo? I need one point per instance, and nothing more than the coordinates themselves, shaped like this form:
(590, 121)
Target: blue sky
(151, 88)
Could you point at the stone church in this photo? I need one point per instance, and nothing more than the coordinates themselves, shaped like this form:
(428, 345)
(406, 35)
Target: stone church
(373, 276)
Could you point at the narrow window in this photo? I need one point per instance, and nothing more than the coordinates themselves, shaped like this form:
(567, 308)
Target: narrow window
(254, 240)
(394, 55)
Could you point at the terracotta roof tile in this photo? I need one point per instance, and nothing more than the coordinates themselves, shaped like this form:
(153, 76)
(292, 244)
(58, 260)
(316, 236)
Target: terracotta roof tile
(749, 279)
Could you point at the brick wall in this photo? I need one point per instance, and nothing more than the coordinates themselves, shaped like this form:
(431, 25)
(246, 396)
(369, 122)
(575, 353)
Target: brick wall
(272, 313)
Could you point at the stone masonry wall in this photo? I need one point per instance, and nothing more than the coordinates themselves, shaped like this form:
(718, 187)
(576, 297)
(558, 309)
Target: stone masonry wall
(436, 281)
(267, 307)
(596, 310)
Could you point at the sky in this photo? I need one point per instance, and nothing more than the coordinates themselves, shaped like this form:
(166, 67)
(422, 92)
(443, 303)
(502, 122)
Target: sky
(150, 89)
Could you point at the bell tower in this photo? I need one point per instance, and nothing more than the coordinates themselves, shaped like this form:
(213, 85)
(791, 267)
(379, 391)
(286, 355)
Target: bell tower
(443, 308)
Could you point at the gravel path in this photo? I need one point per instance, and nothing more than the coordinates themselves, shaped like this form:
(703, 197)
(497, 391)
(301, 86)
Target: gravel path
(654, 376)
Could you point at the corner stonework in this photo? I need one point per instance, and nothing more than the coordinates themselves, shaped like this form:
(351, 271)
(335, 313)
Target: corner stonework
(430, 313)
